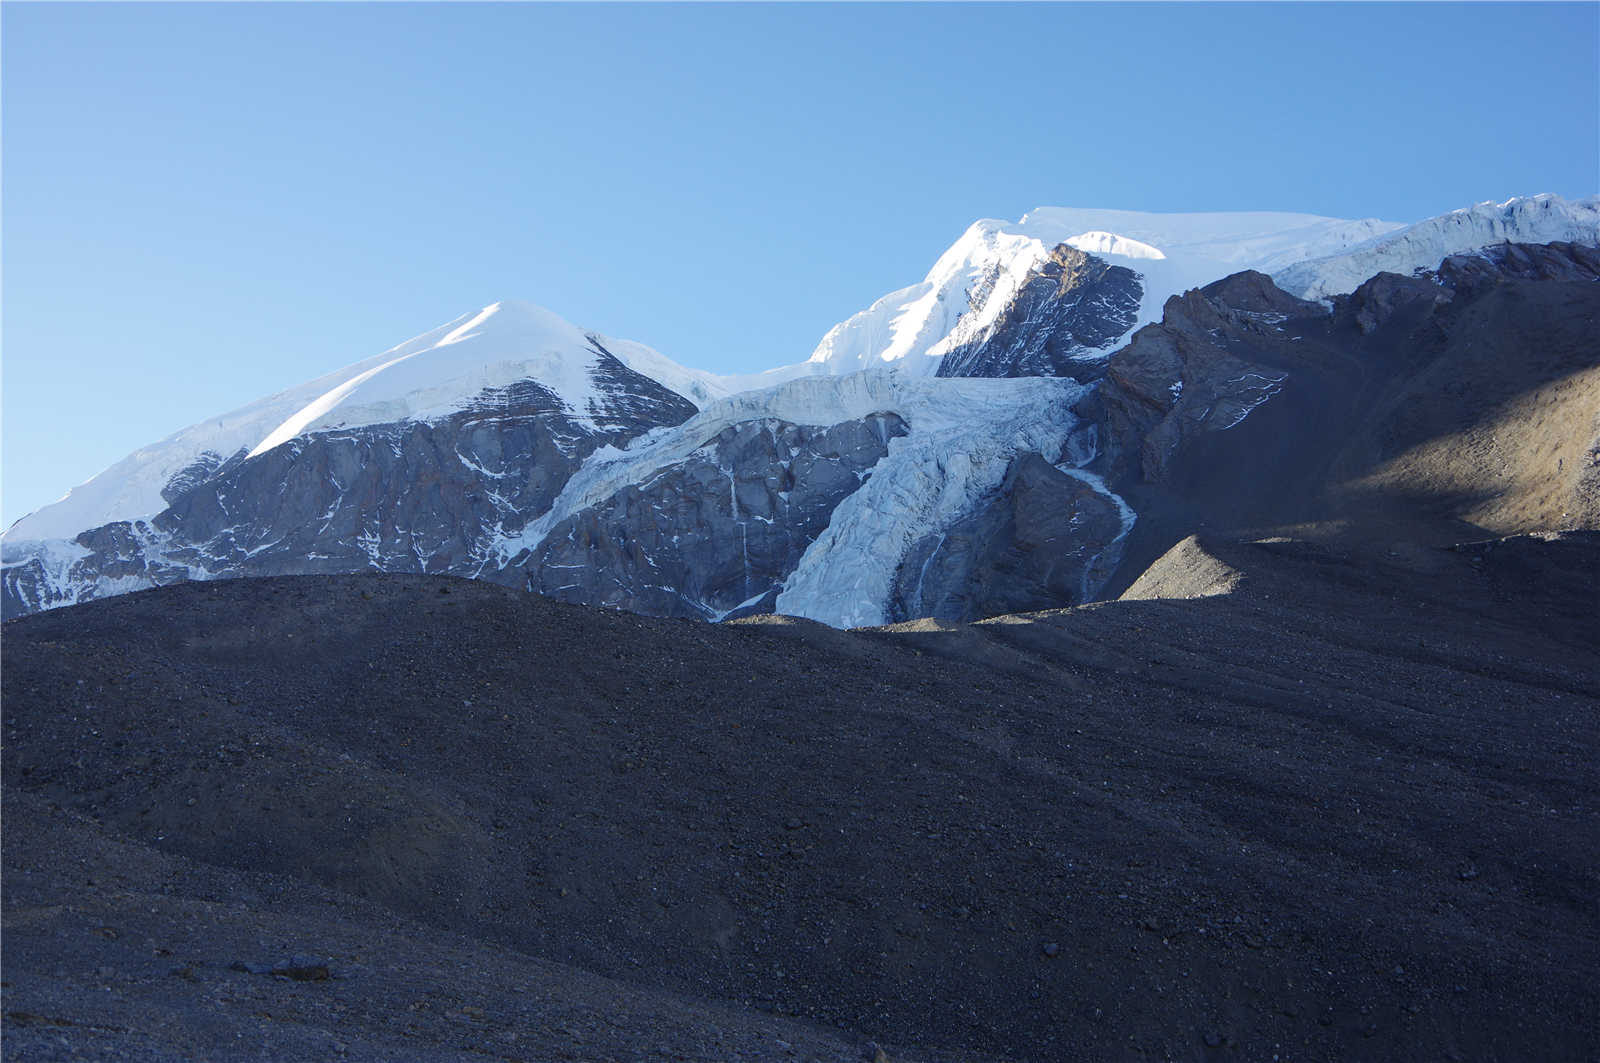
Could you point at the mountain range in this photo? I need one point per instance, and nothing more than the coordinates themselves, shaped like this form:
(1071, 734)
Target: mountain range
(1219, 678)
(1057, 402)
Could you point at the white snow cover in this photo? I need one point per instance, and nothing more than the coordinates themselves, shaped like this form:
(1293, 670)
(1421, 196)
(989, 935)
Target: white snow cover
(1538, 219)
(424, 378)
(972, 282)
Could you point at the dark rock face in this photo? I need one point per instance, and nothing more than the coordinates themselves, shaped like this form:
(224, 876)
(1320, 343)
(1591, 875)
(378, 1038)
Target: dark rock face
(1040, 543)
(631, 398)
(206, 467)
(721, 530)
(411, 496)
(1073, 302)
(1448, 405)
(1543, 262)
(1202, 369)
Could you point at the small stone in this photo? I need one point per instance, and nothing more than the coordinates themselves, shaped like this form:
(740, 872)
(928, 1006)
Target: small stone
(1213, 1039)
(1051, 948)
(1467, 874)
(792, 824)
(302, 969)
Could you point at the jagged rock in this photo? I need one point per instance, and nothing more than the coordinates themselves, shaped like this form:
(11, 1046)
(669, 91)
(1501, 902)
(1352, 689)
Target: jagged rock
(1386, 296)
(206, 467)
(1545, 262)
(1198, 371)
(1071, 305)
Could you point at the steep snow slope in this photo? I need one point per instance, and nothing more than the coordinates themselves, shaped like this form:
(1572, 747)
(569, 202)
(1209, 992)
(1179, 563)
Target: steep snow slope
(423, 378)
(1529, 220)
(972, 283)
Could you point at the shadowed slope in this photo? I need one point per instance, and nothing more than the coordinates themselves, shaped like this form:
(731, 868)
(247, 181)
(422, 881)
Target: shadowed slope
(1344, 811)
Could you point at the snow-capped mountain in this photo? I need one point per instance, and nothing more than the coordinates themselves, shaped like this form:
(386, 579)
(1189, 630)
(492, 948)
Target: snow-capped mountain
(437, 373)
(877, 481)
(967, 292)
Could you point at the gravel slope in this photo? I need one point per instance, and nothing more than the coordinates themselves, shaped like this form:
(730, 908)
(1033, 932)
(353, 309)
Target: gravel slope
(1283, 800)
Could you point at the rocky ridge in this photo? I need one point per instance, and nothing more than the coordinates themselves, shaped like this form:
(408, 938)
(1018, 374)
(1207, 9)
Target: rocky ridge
(1451, 405)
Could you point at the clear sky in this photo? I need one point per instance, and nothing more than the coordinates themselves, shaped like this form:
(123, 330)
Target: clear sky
(205, 203)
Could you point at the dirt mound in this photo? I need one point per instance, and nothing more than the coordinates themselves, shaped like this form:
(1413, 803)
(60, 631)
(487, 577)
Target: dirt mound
(1188, 570)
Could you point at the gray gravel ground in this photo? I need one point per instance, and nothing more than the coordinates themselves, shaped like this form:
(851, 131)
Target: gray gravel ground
(1344, 811)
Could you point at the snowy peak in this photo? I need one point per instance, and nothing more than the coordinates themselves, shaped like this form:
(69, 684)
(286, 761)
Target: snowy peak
(1537, 219)
(974, 282)
(431, 376)
(502, 344)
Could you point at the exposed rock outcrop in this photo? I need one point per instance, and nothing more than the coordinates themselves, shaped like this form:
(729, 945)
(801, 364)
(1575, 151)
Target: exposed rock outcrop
(1070, 307)
(716, 532)
(410, 496)
(1453, 404)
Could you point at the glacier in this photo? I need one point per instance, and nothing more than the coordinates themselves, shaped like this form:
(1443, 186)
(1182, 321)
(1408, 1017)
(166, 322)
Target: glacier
(963, 436)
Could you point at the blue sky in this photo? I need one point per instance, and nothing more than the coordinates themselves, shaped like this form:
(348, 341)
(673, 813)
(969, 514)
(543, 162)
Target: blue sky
(205, 203)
